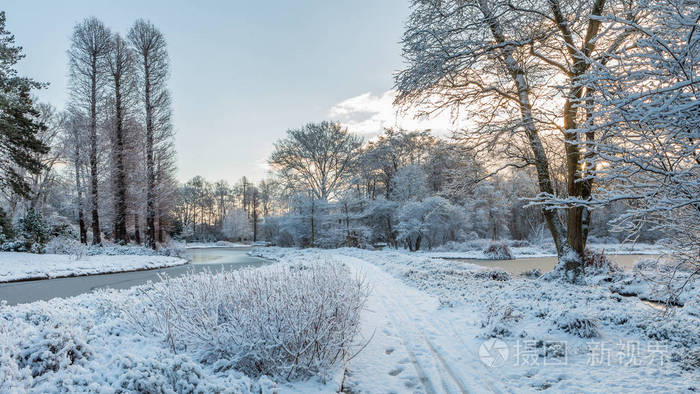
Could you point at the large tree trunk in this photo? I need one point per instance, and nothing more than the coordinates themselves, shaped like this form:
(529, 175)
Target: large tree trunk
(96, 236)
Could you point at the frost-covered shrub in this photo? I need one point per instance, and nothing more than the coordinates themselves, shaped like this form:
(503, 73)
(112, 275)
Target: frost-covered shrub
(285, 239)
(13, 246)
(13, 378)
(597, 263)
(493, 274)
(167, 373)
(690, 361)
(533, 273)
(499, 321)
(646, 265)
(498, 251)
(519, 243)
(65, 245)
(53, 348)
(578, 324)
(288, 322)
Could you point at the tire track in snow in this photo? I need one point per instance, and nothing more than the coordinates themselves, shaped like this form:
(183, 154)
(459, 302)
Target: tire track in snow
(451, 380)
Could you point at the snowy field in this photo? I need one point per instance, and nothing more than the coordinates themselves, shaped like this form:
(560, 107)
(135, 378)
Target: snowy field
(428, 326)
(22, 266)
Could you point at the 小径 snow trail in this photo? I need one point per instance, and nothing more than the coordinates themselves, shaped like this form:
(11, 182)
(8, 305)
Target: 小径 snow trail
(438, 353)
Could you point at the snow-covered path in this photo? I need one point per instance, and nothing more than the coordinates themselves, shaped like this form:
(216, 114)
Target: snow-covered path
(414, 345)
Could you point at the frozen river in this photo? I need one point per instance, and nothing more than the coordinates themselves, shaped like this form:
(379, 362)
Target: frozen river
(204, 258)
(545, 264)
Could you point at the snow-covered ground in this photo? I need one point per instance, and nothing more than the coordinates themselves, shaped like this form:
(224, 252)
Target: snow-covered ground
(445, 326)
(21, 266)
(429, 326)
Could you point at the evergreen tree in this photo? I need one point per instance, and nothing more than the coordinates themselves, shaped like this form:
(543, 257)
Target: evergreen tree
(19, 124)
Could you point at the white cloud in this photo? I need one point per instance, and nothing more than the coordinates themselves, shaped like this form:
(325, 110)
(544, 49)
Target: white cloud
(368, 114)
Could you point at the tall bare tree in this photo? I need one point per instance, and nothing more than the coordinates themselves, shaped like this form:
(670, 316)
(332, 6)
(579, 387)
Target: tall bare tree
(121, 70)
(150, 47)
(90, 45)
(74, 142)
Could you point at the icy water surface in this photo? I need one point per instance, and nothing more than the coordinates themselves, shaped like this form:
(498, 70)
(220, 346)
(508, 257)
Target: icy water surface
(214, 259)
(545, 264)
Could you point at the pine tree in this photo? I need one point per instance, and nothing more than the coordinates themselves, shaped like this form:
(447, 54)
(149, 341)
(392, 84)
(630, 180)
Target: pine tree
(19, 124)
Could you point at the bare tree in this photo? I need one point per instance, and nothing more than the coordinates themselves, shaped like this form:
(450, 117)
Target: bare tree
(121, 70)
(150, 47)
(74, 142)
(87, 55)
(318, 157)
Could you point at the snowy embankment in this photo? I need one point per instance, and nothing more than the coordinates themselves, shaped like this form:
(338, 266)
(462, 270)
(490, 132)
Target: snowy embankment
(439, 325)
(15, 266)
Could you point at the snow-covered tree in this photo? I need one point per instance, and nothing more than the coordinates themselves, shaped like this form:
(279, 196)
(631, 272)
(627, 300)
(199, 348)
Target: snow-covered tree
(646, 107)
(90, 45)
(409, 183)
(319, 157)
(516, 68)
(153, 65)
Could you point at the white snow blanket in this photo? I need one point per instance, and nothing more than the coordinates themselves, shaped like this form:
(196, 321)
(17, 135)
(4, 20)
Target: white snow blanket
(21, 266)
(438, 326)
(430, 326)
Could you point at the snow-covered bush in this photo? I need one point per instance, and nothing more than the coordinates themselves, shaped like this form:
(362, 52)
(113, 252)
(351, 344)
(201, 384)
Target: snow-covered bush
(167, 373)
(578, 324)
(597, 263)
(285, 321)
(65, 245)
(52, 348)
(493, 274)
(691, 360)
(430, 223)
(498, 251)
(34, 231)
(533, 273)
(499, 321)
(13, 377)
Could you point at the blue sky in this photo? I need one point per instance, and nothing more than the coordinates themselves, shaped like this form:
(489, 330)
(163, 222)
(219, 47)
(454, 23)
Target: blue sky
(241, 72)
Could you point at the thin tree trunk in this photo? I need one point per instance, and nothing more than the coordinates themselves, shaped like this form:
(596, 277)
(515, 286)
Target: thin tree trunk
(120, 206)
(78, 186)
(96, 236)
(150, 171)
(137, 229)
